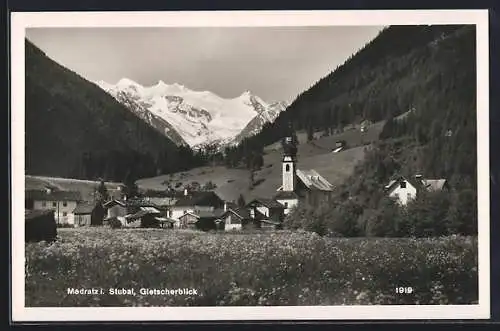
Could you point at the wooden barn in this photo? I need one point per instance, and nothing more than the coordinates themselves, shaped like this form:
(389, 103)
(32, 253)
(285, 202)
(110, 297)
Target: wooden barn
(148, 217)
(40, 225)
(87, 214)
(201, 220)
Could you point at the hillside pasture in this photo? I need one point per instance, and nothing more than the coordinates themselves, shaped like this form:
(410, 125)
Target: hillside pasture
(352, 136)
(266, 268)
(86, 188)
(316, 155)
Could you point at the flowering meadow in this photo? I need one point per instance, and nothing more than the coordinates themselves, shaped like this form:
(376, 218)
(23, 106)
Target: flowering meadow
(229, 269)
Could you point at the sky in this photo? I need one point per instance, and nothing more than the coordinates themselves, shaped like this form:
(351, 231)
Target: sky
(275, 63)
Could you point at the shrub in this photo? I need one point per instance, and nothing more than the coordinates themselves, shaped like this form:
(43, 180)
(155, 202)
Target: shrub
(114, 223)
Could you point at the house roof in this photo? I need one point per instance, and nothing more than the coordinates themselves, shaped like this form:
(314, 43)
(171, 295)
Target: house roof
(313, 180)
(140, 203)
(434, 184)
(162, 201)
(269, 203)
(150, 209)
(84, 208)
(141, 213)
(198, 198)
(286, 195)
(114, 202)
(33, 214)
(242, 212)
(429, 184)
(43, 195)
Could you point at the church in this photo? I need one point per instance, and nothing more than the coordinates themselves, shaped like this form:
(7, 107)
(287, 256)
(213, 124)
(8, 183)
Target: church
(300, 186)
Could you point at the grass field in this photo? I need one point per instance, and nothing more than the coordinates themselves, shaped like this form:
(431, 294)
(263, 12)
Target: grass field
(266, 268)
(336, 168)
(85, 187)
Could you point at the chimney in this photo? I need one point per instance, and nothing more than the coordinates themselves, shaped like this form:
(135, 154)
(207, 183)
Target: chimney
(185, 192)
(225, 206)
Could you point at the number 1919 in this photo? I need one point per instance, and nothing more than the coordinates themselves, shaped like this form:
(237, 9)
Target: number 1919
(404, 290)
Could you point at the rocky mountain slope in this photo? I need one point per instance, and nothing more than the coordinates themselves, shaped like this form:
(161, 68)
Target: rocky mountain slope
(195, 118)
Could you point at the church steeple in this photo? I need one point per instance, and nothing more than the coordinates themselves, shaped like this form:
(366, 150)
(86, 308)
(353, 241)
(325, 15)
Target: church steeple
(289, 164)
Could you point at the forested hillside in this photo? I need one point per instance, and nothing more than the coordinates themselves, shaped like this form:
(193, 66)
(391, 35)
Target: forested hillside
(75, 129)
(428, 72)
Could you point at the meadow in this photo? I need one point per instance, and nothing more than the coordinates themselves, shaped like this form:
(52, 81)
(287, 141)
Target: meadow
(260, 268)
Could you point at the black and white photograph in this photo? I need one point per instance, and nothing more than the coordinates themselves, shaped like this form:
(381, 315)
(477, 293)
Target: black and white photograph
(250, 165)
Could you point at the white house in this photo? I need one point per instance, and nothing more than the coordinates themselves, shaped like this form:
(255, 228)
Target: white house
(63, 203)
(194, 202)
(405, 189)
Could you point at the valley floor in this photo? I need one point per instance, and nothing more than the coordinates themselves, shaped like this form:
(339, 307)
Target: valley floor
(247, 269)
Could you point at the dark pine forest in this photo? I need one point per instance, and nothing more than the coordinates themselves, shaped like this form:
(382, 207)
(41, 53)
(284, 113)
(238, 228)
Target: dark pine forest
(427, 70)
(74, 129)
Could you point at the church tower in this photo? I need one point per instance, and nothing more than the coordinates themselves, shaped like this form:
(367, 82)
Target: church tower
(289, 164)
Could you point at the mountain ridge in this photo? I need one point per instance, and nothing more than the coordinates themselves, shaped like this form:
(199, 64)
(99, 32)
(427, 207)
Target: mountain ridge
(194, 118)
(76, 130)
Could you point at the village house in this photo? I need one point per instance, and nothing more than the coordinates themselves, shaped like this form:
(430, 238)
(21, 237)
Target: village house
(87, 213)
(195, 202)
(201, 220)
(116, 209)
(267, 211)
(61, 202)
(404, 189)
(145, 217)
(300, 185)
(235, 218)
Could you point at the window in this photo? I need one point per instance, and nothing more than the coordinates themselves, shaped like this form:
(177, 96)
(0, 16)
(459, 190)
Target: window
(287, 168)
(65, 204)
(54, 204)
(286, 204)
(65, 214)
(408, 196)
(44, 204)
(403, 184)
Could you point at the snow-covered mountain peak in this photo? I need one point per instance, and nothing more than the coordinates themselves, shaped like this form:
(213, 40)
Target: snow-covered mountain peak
(126, 82)
(199, 117)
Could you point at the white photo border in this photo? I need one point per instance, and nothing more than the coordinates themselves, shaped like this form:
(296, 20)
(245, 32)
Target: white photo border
(22, 20)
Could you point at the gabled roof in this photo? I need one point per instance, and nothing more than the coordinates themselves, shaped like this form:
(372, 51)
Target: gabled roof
(269, 203)
(43, 195)
(242, 213)
(84, 208)
(114, 202)
(162, 201)
(141, 213)
(434, 184)
(286, 195)
(150, 209)
(199, 198)
(428, 184)
(140, 203)
(313, 180)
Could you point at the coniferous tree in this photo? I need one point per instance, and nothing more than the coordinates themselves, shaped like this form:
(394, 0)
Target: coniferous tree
(241, 201)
